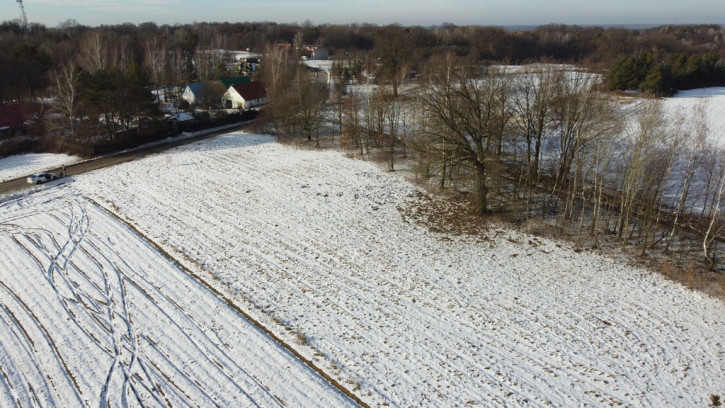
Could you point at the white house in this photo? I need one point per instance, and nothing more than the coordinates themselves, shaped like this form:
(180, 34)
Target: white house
(245, 96)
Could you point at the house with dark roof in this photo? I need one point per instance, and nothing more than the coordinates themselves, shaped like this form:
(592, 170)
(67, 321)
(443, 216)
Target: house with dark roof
(245, 96)
(204, 92)
(12, 120)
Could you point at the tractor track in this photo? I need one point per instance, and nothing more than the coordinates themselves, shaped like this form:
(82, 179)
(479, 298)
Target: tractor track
(232, 305)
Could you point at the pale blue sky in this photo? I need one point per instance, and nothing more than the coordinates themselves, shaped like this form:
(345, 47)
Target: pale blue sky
(406, 12)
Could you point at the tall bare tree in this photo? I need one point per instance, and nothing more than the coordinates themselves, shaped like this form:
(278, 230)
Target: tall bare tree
(468, 111)
(533, 104)
(715, 220)
(105, 50)
(278, 73)
(694, 145)
(394, 50)
(208, 63)
(156, 57)
(351, 126)
(393, 117)
(603, 156)
(575, 110)
(643, 139)
(95, 51)
(65, 83)
(308, 103)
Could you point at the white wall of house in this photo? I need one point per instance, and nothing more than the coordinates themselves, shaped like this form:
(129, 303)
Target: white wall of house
(232, 99)
(188, 96)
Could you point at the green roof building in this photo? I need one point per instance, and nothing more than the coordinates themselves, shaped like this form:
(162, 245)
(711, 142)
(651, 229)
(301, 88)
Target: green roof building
(229, 81)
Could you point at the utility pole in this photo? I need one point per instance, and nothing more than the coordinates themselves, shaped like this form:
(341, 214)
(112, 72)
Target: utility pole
(25, 17)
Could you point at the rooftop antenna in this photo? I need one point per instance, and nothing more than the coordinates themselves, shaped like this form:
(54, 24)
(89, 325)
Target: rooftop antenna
(25, 17)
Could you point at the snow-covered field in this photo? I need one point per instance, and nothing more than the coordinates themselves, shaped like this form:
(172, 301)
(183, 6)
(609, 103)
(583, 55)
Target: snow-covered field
(712, 100)
(21, 165)
(321, 250)
(93, 315)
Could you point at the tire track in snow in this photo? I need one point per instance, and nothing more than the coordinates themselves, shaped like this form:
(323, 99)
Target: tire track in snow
(56, 260)
(35, 352)
(59, 276)
(126, 338)
(126, 279)
(231, 304)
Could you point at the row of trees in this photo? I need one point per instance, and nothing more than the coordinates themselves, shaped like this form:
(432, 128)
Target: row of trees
(119, 98)
(118, 62)
(552, 143)
(661, 74)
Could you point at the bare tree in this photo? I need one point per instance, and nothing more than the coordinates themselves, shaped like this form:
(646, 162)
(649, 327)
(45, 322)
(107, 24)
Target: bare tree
(123, 51)
(694, 145)
(351, 126)
(643, 139)
(308, 104)
(393, 117)
(104, 50)
(156, 57)
(575, 113)
(394, 49)
(95, 51)
(298, 42)
(219, 41)
(602, 158)
(374, 119)
(208, 63)
(278, 73)
(533, 104)
(337, 101)
(179, 71)
(65, 83)
(715, 223)
(658, 171)
(468, 110)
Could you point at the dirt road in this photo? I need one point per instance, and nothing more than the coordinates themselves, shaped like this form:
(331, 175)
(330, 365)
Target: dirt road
(107, 161)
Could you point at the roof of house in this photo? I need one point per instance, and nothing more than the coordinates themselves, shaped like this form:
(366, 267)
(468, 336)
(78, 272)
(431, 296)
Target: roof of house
(251, 90)
(11, 116)
(229, 81)
(217, 87)
(199, 88)
(196, 87)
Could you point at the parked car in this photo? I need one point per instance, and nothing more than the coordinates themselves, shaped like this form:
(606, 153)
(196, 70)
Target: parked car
(41, 178)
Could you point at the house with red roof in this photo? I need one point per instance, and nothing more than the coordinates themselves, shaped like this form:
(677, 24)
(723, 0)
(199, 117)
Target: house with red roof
(245, 96)
(12, 120)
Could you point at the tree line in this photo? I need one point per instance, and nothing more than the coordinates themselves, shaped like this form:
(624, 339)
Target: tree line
(661, 74)
(668, 57)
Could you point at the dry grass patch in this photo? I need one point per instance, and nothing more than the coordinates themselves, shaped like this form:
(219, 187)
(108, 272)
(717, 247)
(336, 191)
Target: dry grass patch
(694, 275)
(449, 214)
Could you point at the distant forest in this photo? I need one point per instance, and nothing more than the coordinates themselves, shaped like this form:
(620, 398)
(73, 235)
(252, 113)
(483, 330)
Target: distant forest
(656, 60)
